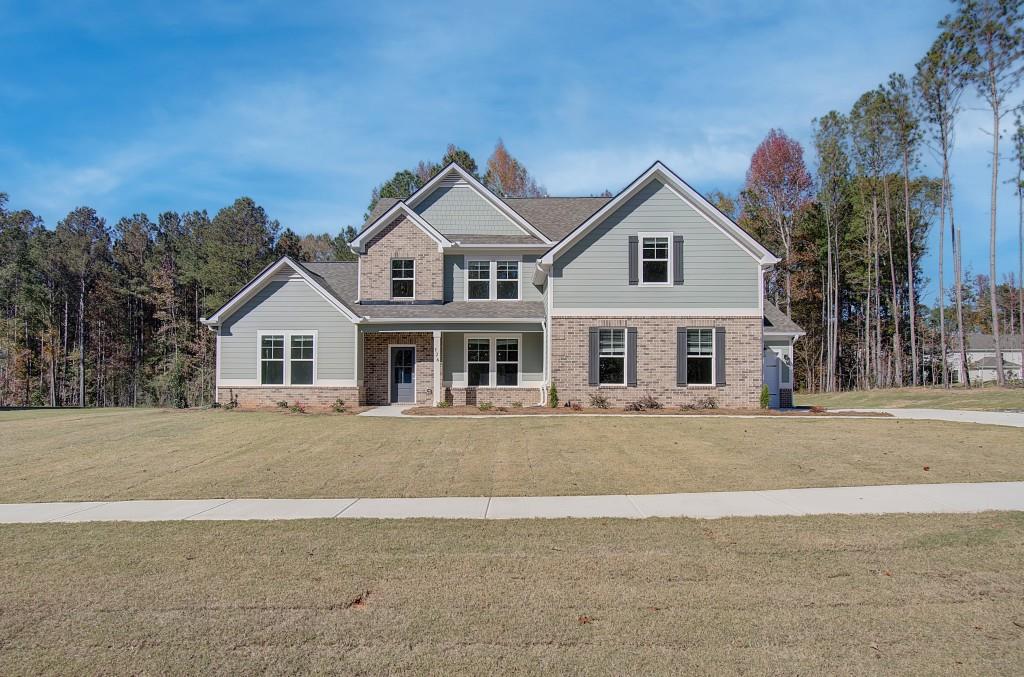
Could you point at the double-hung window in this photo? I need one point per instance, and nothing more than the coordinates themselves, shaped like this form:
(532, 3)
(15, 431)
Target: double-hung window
(700, 356)
(479, 280)
(492, 361)
(287, 358)
(478, 361)
(492, 280)
(612, 357)
(403, 278)
(506, 361)
(655, 259)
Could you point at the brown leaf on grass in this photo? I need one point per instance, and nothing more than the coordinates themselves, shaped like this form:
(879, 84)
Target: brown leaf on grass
(927, 468)
(359, 601)
(585, 620)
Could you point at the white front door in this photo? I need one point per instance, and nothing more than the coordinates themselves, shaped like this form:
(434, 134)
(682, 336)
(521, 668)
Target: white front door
(771, 377)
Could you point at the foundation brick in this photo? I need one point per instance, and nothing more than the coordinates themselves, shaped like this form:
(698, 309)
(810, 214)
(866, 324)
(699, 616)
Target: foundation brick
(313, 399)
(499, 397)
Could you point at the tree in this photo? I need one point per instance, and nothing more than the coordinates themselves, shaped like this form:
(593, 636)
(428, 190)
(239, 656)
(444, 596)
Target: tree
(460, 157)
(340, 245)
(400, 186)
(507, 177)
(778, 187)
(1018, 145)
(289, 244)
(237, 244)
(994, 33)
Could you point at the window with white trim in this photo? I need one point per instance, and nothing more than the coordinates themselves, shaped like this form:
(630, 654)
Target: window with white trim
(506, 361)
(478, 286)
(403, 278)
(611, 362)
(301, 363)
(478, 362)
(272, 359)
(700, 356)
(654, 259)
(508, 280)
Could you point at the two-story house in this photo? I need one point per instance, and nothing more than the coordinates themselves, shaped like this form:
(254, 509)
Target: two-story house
(461, 296)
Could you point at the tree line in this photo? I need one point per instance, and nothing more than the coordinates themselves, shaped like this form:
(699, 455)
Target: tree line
(852, 234)
(99, 315)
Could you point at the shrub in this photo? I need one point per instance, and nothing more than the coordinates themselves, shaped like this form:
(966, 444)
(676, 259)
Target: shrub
(231, 404)
(282, 404)
(633, 406)
(297, 409)
(766, 398)
(707, 403)
(485, 406)
(576, 406)
(598, 400)
(553, 396)
(339, 406)
(650, 402)
(517, 405)
(444, 404)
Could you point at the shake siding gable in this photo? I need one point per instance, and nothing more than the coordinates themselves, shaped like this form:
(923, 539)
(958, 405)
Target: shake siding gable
(455, 210)
(594, 272)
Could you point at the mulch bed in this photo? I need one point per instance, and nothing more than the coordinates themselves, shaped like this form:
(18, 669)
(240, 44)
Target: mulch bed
(673, 411)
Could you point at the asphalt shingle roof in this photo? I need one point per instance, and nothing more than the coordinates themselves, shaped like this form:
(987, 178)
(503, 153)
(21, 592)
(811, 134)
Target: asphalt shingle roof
(526, 310)
(777, 320)
(556, 217)
(979, 341)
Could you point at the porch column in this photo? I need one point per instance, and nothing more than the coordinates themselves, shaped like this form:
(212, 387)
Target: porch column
(437, 367)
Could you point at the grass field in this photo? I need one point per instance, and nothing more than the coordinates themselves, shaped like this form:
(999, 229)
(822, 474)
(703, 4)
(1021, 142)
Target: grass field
(989, 398)
(812, 595)
(151, 453)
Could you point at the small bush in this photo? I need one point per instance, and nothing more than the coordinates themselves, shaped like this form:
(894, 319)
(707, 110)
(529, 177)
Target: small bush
(576, 406)
(230, 404)
(517, 405)
(282, 404)
(444, 404)
(650, 402)
(485, 406)
(633, 406)
(297, 409)
(214, 405)
(598, 400)
(553, 396)
(707, 403)
(339, 406)
(766, 397)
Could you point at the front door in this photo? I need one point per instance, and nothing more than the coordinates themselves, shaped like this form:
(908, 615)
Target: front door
(771, 377)
(403, 374)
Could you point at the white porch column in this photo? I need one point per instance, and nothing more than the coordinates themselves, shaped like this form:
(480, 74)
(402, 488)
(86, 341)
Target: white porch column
(437, 367)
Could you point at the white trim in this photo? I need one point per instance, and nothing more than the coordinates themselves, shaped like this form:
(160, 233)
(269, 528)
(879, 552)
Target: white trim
(287, 371)
(446, 320)
(216, 372)
(492, 367)
(391, 278)
(495, 201)
(492, 279)
(254, 383)
(461, 248)
(264, 278)
(784, 334)
(356, 340)
(358, 243)
(635, 311)
(625, 357)
(684, 192)
(359, 278)
(666, 235)
(438, 366)
(391, 375)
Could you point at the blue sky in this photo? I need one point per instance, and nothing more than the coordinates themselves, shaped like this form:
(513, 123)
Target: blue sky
(305, 106)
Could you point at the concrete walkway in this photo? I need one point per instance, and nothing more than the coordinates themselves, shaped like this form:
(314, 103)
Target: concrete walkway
(1007, 418)
(389, 410)
(899, 498)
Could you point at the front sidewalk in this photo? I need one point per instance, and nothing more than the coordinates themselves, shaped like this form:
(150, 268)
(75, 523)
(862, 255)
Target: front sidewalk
(897, 498)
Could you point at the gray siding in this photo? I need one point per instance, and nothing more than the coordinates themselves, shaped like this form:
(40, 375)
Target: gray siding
(287, 304)
(454, 356)
(718, 272)
(461, 210)
(455, 278)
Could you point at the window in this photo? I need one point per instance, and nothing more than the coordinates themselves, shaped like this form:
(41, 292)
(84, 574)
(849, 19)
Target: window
(479, 284)
(403, 278)
(506, 357)
(478, 361)
(302, 359)
(654, 259)
(272, 360)
(508, 280)
(612, 357)
(700, 356)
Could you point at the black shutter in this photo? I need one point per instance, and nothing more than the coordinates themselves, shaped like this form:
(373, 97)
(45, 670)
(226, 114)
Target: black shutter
(634, 268)
(680, 356)
(592, 362)
(631, 356)
(719, 356)
(677, 259)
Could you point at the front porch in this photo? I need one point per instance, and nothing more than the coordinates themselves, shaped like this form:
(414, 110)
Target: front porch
(425, 365)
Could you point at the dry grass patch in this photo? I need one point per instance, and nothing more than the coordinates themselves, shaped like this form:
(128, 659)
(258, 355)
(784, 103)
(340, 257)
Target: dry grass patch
(466, 410)
(821, 595)
(989, 398)
(151, 453)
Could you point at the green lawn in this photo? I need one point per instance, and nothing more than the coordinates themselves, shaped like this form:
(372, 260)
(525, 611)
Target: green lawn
(989, 398)
(936, 594)
(152, 453)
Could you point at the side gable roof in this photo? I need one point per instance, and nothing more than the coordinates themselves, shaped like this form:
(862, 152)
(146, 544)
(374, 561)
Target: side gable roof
(360, 241)
(778, 323)
(556, 216)
(264, 278)
(453, 170)
(685, 192)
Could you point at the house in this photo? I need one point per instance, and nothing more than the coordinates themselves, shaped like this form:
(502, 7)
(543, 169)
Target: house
(981, 358)
(461, 296)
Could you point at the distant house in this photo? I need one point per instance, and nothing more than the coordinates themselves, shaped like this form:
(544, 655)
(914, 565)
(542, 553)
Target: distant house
(463, 297)
(981, 358)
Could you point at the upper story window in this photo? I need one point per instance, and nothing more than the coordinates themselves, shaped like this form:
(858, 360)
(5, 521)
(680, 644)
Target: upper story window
(403, 278)
(612, 357)
(493, 280)
(655, 261)
(700, 356)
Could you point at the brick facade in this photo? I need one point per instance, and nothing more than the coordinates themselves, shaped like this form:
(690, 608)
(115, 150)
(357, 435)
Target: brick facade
(263, 397)
(375, 354)
(499, 397)
(401, 239)
(656, 360)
